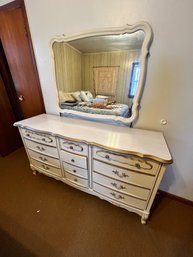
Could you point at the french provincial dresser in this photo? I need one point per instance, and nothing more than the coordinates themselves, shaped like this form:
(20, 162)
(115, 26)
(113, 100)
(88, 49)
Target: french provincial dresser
(121, 165)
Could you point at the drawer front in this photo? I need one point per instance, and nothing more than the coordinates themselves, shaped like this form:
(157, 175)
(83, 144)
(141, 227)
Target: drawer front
(74, 159)
(123, 174)
(43, 158)
(119, 197)
(75, 170)
(47, 168)
(122, 187)
(76, 180)
(73, 147)
(44, 149)
(126, 161)
(39, 137)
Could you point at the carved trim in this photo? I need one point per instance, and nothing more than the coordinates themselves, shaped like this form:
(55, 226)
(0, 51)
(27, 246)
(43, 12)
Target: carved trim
(136, 165)
(70, 147)
(32, 135)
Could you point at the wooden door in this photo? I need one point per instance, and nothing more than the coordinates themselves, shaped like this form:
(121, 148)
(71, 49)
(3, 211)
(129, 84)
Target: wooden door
(9, 135)
(16, 42)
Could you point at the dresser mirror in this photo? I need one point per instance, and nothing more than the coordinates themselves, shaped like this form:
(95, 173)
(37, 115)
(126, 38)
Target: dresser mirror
(100, 74)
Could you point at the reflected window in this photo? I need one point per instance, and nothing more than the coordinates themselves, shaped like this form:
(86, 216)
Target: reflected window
(134, 79)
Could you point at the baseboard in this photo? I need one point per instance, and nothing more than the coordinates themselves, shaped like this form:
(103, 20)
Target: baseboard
(175, 197)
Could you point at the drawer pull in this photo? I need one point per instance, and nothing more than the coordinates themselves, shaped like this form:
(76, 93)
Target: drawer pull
(72, 146)
(36, 136)
(118, 187)
(107, 156)
(45, 167)
(72, 160)
(75, 179)
(40, 148)
(74, 171)
(137, 165)
(122, 175)
(43, 159)
(117, 196)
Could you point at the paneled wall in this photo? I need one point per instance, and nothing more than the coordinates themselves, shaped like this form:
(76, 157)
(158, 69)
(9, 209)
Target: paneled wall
(67, 67)
(123, 59)
(74, 71)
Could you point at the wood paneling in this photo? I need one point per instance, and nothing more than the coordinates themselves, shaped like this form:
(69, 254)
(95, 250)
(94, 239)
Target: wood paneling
(67, 67)
(123, 59)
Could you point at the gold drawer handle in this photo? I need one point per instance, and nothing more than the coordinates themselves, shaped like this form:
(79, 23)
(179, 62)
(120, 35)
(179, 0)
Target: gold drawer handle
(40, 148)
(43, 159)
(118, 197)
(45, 167)
(137, 165)
(122, 175)
(118, 187)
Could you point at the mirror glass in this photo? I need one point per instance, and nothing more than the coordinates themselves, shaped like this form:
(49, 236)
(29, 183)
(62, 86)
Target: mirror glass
(98, 75)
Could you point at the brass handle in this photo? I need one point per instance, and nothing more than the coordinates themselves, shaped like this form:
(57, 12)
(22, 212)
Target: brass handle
(117, 196)
(118, 187)
(21, 98)
(137, 165)
(40, 148)
(45, 167)
(122, 175)
(43, 158)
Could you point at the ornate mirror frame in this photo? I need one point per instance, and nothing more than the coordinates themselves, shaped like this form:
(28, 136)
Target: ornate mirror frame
(118, 120)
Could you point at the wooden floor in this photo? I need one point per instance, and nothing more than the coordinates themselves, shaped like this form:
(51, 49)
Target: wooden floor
(40, 216)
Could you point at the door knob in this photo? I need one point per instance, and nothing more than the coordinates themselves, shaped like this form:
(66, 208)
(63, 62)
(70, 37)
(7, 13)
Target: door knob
(21, 98)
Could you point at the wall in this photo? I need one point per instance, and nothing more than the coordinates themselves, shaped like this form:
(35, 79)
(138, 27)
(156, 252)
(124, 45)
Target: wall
(169, 78)
(67, 67)
(123, 59)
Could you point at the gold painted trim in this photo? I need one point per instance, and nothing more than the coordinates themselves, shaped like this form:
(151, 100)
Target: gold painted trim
(148, 156)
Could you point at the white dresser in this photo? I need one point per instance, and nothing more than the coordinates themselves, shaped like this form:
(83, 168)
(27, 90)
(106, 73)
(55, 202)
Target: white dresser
(119, 164)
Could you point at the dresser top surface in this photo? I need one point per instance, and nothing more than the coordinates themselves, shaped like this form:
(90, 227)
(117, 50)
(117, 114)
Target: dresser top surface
(141, 142)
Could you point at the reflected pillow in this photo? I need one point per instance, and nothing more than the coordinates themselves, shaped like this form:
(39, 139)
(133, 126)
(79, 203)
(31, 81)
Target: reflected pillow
(76, 95)
(86, 96)
(66, 97)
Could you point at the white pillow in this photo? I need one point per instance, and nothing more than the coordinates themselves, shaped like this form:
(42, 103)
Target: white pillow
(86, 96)
(66, 97)
(76, 95)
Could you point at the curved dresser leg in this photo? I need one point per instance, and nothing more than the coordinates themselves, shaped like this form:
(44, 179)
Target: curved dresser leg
(35, 172)
(144, 218)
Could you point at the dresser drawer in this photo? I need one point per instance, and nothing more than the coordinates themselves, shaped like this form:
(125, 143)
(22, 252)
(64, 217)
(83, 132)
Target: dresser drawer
(43, 158)
(39, 137)
(76, 180)
(44, 149)
(75, 170)
(73, 147)
(74, 159)
(119, 197)
(46, 168)
(122, 187)
(126, 161)
(124, 175)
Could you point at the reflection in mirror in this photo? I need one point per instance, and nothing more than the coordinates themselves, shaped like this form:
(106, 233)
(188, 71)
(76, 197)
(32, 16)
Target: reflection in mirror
(97, 76)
